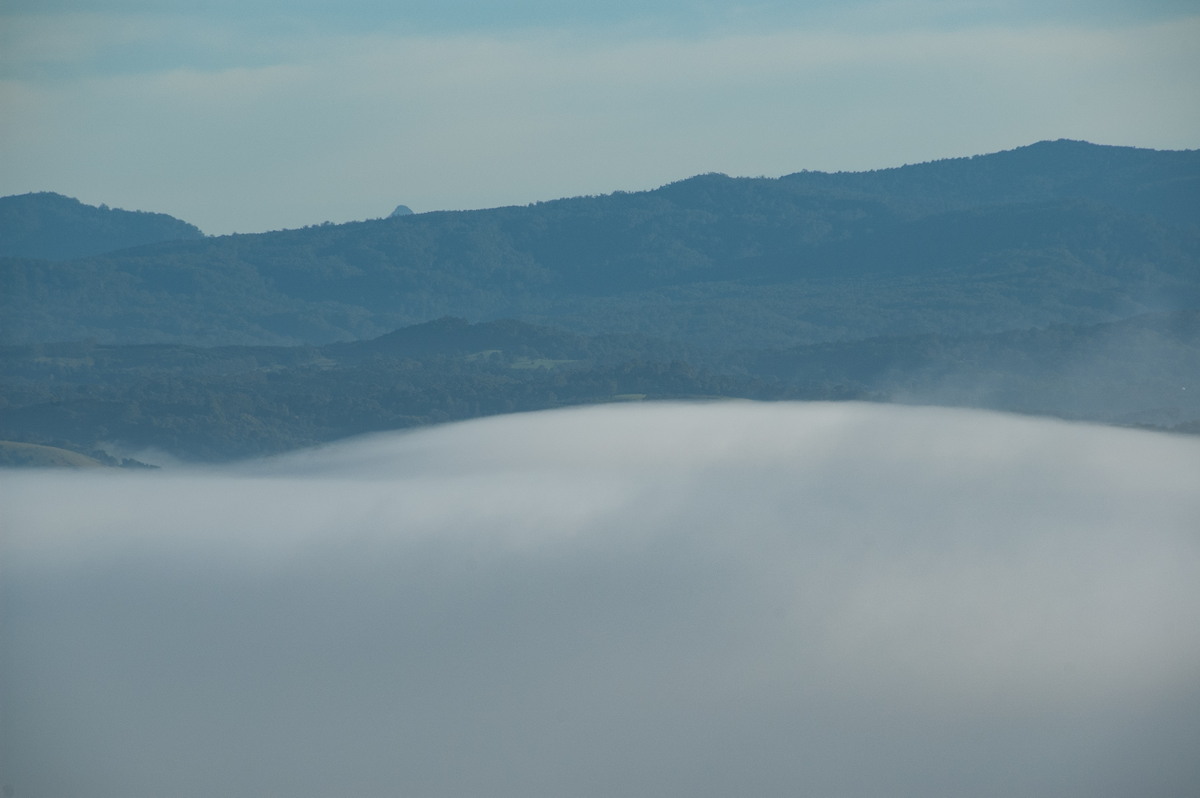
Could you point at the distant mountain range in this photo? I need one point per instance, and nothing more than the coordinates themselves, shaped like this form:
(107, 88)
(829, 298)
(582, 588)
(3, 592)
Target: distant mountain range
(1057, 232)
(1059, 278)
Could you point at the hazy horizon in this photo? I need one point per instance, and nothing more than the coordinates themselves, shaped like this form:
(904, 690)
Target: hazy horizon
(616, 190)
(262, 115)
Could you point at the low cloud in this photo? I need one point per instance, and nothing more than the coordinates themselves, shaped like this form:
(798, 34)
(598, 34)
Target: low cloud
(717, 599)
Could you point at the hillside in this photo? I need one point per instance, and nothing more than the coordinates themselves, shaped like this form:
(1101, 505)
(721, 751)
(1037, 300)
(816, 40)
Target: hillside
(49, 226)
(1054, 233)
(228, 402)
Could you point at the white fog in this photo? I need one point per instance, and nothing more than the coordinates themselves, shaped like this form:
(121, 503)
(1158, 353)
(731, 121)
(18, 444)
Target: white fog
(638, 600)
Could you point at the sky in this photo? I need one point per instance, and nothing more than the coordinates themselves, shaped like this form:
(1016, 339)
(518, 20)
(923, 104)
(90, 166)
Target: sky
(263, 114)
(639, 600)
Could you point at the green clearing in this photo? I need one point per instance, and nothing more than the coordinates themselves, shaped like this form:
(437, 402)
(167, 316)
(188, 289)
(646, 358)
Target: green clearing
(32, 455)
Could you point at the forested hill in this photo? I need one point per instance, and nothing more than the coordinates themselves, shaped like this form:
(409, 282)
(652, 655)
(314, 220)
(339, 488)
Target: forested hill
(1163, 184)
(1054, 233)
(53, 227)
(227, 402)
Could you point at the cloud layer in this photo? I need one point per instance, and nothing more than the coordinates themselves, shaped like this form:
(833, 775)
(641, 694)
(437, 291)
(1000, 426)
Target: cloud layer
(636, 600)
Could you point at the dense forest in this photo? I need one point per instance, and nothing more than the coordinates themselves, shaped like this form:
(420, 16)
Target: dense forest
(1060, 278)
(218, 403)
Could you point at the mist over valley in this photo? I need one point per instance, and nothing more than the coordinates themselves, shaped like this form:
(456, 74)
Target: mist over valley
(464, 399)
(645, 600)
(874, 483)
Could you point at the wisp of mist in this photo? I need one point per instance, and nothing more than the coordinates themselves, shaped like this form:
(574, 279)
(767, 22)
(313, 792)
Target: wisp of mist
(628, 600)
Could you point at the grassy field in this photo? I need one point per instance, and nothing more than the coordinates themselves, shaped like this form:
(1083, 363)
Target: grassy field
(31, 455)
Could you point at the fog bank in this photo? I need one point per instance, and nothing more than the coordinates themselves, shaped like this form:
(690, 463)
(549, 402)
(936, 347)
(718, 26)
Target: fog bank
(635, 600)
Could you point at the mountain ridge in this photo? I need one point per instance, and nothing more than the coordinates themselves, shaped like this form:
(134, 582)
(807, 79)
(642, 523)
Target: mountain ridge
(1073, 233)
(50, 226)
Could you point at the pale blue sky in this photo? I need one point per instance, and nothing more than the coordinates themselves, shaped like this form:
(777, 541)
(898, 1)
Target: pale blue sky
(255, 115)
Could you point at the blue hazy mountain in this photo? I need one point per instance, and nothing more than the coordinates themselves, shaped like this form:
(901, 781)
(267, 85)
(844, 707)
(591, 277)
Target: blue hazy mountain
(1056, 232)
(1060, 279)
(50, 226)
